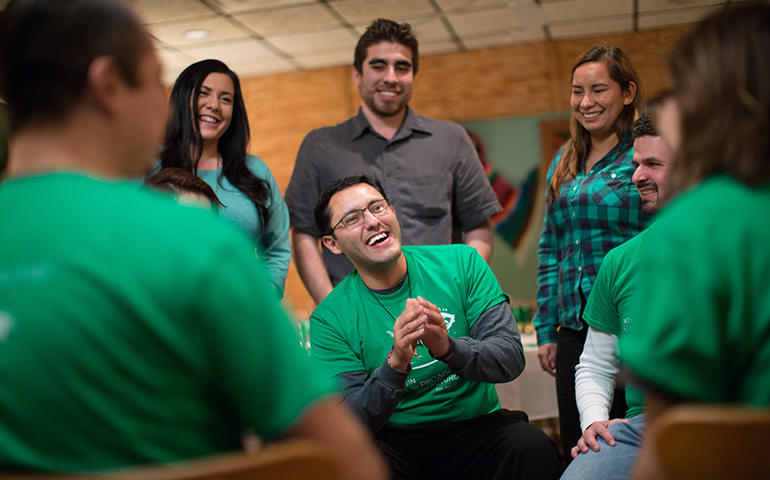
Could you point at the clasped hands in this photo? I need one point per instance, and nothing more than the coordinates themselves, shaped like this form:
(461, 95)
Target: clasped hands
(420, 320)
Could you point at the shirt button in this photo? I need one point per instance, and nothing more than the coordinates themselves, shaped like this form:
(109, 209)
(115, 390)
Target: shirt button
(574, 189)
(580, 269)
(613, 175)
(577, 242)
(573, 214)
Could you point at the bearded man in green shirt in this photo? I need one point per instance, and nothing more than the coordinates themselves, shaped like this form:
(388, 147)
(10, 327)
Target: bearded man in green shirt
(418, 336)
(608, 446)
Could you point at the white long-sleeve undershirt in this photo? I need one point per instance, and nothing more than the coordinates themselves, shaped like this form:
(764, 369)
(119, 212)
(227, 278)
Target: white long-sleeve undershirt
(595, 376)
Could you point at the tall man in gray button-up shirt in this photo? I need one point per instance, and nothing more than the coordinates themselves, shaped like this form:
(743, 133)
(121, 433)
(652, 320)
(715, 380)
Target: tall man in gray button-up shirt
(429, 167)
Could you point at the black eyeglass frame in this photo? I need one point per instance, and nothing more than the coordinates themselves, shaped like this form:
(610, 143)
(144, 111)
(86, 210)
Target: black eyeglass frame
(362, 210)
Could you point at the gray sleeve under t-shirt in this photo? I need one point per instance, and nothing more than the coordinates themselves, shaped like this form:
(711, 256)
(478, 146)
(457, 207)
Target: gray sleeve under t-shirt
(492, 354)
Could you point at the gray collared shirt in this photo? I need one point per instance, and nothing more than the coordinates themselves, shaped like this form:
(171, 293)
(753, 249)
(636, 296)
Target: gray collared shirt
(429, 169)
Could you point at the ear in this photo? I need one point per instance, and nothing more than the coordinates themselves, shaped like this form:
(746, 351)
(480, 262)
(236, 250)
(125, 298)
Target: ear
(356, 77)
(629, 94)
(331, 244)
(105, 83)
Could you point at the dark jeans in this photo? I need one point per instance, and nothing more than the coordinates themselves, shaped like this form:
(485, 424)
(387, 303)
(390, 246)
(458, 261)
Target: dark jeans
(501, 445)
(569, 348)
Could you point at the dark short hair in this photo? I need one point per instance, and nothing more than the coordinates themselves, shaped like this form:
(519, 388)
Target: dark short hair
(176, 181)
(644, 127)
(383, 30)
(47, 47)
(321, 211)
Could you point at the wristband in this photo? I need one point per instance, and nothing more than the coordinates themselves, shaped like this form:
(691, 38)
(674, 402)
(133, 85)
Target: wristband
(449, 352)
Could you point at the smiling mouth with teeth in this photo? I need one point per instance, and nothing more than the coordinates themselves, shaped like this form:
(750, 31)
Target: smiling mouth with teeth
(208, 119)
(377, 239)
(591, 115)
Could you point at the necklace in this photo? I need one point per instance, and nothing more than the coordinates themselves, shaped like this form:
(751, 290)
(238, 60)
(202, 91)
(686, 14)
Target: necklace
(409, 283)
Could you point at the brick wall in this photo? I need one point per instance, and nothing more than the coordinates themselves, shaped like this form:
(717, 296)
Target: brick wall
(486, 84)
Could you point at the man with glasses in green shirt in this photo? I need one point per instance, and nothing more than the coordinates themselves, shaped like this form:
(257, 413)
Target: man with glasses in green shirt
(418, 335)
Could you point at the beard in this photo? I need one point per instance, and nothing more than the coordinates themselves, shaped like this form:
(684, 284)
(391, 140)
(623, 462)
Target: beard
(385, 108)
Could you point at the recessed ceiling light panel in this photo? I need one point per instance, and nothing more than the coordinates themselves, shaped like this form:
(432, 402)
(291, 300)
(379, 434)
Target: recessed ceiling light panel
(196, 34)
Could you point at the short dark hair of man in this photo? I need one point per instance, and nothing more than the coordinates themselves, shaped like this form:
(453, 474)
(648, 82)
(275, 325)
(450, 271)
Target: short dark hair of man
(384, 30)
(644, 127)
(177, 181)
(321, 210)
(47, 47)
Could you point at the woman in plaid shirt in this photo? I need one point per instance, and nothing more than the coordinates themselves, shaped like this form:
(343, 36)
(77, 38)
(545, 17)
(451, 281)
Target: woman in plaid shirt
(592, 207)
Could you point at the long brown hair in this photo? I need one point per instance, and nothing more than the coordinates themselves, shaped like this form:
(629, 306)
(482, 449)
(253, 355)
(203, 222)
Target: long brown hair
(623, 73)
(720, 72)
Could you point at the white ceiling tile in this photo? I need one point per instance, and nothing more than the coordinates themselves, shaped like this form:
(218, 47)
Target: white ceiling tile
(450, 5)
(292, 19)
(589, 9)
(429, 29)
(266, 67)
(438, 48)
(426, 28)
(661, 5)
(510, 38)
(591, 28)
(528, 13)
(237, 6)
(170, 75)
(220, 28)
(173, 59)
(232, 54)
(671, 18)
(311, 30)
(338, 40)
(154, 11)
(361, 28)
(325, 60)
(495, 20)
(357, 11)
(244, 68)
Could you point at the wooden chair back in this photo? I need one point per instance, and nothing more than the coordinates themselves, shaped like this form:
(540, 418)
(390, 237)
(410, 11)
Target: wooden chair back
(706, 442)
(292, 460)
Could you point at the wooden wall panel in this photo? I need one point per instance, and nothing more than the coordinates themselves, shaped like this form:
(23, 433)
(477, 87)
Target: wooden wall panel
(486, 84)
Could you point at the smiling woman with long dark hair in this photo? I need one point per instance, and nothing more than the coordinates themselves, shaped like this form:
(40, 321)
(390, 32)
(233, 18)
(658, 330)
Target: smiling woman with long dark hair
(208, 135)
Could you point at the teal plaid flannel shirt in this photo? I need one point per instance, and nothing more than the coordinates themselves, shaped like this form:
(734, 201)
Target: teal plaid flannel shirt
(595, 212)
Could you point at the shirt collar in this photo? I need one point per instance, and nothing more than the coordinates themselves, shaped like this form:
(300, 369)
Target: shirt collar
(621, 147)
(412, 122)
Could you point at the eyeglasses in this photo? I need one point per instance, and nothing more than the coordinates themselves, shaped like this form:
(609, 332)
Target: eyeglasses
(355, 218)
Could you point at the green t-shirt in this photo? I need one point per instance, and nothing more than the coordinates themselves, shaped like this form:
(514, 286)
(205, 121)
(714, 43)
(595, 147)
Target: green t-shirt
(351, 331)
(135, 330)
(607, 308)
(705, 297)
